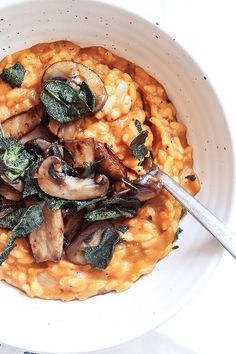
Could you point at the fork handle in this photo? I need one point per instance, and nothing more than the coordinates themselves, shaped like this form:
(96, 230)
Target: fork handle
(201, 213)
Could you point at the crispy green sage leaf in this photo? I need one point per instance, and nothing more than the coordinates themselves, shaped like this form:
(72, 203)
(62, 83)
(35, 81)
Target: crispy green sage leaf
(138, 125)
(10, 220)
(30, 220)
(178, 232)
(87, 95)
(14, 75)
(138, 146)
(99, 256)
(62, 102)
(14, 159)
(123, 228)
(110, 212)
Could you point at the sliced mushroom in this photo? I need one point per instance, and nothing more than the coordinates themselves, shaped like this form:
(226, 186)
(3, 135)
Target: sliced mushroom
(75, 74)
(22, 124)
(47, 241)
(38, 147)
(19, 185)
(39, 132)
(90, 237)
(53, 181)
(72, 224)
(9, 192)
(112, 166)
(81, 150)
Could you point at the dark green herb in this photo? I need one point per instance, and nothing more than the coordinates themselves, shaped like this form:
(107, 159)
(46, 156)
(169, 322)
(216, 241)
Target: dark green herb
(54, 203)
(123, 228)
(30, 220)
(14, 75)
(31, 187)
(138, 125)
(87, 96)
(14, 159)
(110, 212)
(62, 101)
(124, 202)
(138, 146)
(99, 256)
(191, 177)
(175, 247)
(10, 220)
(178, 232)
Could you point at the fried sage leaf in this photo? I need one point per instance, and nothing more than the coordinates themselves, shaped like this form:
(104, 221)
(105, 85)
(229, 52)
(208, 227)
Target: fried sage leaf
(138, 146)
(10, 220)
(14, 75)
(178, 232)
(99, 256)
(123, 228)
(30, 187)
(87, 96)
(55, 204)
(30, 220)
(110, 212)
(138, 125)
(62, 102)
(14, 159)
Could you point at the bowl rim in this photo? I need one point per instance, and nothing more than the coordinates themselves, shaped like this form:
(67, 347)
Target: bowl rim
(180, 304)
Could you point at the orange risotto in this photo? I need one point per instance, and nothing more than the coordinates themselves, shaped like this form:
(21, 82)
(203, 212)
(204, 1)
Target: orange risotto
(132, 95)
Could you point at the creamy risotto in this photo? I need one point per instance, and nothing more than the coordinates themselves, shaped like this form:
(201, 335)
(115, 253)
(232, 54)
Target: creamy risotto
(85, 135)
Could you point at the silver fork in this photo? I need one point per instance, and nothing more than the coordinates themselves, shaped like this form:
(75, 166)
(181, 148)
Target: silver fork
(216, 227)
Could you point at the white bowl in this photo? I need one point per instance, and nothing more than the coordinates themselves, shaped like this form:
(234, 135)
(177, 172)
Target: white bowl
(103, 321)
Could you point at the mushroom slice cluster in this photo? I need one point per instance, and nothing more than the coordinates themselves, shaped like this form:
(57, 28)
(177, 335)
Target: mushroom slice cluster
(76, 74)
(53, 181)
(90, 237)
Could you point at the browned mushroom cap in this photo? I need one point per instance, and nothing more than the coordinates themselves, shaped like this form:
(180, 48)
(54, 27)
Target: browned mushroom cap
(82, 151)
(9, 192)
(112, 166)
(54, 182)
(22, 124)
(47, 241)
(75, 73)
(91, 236)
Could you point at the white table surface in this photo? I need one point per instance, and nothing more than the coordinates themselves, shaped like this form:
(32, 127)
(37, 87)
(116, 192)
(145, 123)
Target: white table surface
(207, 29)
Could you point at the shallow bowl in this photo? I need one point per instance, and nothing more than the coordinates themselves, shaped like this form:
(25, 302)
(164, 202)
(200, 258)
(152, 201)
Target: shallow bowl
(108, 320)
